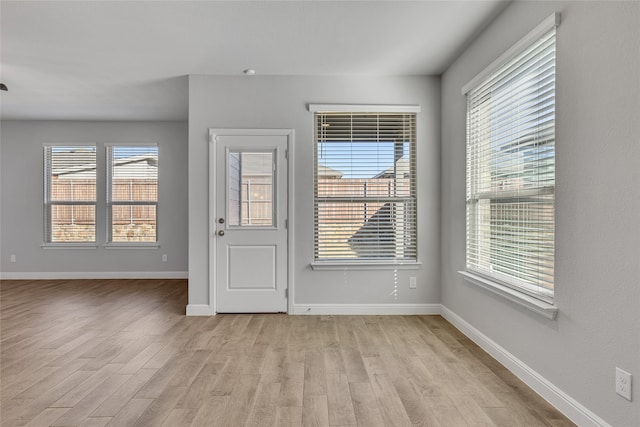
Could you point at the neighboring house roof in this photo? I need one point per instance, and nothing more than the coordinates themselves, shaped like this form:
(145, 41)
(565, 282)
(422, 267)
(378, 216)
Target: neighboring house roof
(401, 169)
(140, 166)
(253, 164)
(325, 171)
(72, 162)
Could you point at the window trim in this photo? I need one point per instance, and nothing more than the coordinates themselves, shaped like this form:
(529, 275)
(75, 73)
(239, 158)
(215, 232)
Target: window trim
(47, 203)
(536, 301)
(548, 24)
(131, 245)
(365, 264)
(69, 245)
(550, 311)
(362, 108)
(110, 244)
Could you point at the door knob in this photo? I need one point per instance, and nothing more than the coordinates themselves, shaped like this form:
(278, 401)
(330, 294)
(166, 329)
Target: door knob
(221, 233)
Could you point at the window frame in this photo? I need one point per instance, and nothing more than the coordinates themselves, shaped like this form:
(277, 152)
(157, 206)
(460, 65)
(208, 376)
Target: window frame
(110, 243)
(531, 296)
(366, 263)
(48, 203)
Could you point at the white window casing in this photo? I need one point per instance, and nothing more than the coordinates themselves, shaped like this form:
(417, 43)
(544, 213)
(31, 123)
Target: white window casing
(69, 195)
(511, 169)
(132, 195)
(365, 189)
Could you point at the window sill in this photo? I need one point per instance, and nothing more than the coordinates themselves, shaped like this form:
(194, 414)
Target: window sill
(69, 246)
(132, 245)
(366, 265)
(540, 307)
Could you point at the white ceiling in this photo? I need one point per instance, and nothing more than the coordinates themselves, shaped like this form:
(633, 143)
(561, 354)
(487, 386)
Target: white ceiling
(128, 60)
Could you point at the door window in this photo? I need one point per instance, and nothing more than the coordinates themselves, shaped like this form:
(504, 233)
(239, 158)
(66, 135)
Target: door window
(250, 188)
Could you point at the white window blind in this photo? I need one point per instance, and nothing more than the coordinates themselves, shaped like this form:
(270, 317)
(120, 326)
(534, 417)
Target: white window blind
(69, 194)
(132, 193)
(511, 171)
(365, 186)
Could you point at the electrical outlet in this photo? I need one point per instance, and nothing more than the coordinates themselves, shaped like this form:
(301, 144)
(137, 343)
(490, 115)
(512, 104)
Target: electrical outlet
(164, 257)
(412, 282)
(623, 383)
(13, 258)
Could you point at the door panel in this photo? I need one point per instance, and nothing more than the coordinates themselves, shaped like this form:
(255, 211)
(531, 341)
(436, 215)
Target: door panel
(251, 175)
(261, 259)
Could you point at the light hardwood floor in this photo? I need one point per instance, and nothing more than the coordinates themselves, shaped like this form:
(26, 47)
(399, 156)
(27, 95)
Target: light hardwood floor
(122, 353)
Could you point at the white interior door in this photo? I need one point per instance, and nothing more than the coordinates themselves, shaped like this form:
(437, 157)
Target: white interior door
(250, 223)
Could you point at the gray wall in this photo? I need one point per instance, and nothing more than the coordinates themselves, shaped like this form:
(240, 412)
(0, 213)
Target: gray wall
(21, 209)
(597, 210)
(281, 102)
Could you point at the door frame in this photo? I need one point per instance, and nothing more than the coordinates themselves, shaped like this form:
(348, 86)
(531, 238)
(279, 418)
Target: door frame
(213, 134)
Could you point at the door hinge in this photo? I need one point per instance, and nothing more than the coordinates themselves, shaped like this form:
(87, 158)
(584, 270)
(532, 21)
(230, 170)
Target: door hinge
(286, 293)
(286, 224)
(286, 154)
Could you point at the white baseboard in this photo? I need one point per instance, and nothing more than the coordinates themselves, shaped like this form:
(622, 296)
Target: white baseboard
(339, 309)
(71, 275)
(366, 309)
(552, 394)
(199, 310)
